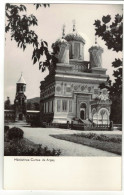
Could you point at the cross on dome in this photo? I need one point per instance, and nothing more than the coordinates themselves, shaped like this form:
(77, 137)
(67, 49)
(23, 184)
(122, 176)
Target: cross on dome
(63, 31)
(74, 28)
(96, 40)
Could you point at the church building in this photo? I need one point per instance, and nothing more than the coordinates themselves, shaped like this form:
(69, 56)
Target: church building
(71, 90)
(20, 99)
(19, 112)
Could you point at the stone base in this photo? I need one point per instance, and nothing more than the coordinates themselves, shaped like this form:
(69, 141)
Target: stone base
(98, 70)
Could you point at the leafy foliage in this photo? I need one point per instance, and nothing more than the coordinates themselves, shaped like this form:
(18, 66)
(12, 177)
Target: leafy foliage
(6, 129)
(7, 104)
(19, 25)
(19, 149)
(40, 5)
(101, 137)
(112, 34)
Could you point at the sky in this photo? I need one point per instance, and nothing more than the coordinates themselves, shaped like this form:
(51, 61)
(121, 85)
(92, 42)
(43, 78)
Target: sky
(50, 22)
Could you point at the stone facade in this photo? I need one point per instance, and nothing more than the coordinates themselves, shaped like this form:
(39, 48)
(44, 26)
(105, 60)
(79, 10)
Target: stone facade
(71, 90)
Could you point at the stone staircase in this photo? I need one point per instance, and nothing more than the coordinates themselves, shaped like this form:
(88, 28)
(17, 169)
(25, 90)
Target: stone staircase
(20, 123)
(86, 122)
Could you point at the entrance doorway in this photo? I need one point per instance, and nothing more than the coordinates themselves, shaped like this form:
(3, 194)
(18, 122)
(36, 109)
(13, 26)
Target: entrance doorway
(82, 114)
(20, 116)
(83, 111)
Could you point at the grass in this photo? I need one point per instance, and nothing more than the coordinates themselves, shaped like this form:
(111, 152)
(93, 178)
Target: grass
(106, 142)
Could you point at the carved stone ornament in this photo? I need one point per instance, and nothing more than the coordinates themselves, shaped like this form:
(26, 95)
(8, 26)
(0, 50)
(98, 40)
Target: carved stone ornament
(58, 88)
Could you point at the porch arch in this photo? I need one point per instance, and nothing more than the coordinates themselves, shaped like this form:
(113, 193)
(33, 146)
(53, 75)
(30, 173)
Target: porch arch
(103, 116)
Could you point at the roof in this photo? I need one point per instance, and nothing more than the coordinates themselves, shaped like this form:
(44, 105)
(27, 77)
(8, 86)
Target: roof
(58, 42)
(21, 80)
(96, 47)
(74, 37)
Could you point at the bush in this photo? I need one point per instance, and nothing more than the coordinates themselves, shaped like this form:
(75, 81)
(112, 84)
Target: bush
(15, 133)
(100, 137)
(6, 129)
(18, 148)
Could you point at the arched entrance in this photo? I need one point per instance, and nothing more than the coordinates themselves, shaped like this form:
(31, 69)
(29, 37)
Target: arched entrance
(20, 116)
(83, 111)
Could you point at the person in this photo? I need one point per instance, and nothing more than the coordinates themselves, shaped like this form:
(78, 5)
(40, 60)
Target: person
(111, 125)
(68, 125)
(71, 124)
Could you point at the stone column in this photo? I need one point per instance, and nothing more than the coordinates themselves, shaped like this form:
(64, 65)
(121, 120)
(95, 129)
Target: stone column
(75, 105)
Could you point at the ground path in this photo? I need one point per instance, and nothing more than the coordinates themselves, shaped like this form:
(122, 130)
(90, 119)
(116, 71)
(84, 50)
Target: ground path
(42, 136)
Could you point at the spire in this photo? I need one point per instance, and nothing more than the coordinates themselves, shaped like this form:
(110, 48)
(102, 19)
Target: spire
(95, 40)
(21, 80)
(63, 31)
(74, 28)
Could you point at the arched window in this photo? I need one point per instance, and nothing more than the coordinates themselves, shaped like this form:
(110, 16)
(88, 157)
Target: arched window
(21, 88)
(103, 116)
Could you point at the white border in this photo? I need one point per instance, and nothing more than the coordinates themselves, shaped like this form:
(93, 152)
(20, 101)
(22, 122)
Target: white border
(2, 5)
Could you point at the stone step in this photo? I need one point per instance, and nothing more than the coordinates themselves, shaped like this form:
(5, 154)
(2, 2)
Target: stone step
(20, 123)
(86, 122)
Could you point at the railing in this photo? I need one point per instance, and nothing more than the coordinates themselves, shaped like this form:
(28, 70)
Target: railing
(77, 126)
(117, 127)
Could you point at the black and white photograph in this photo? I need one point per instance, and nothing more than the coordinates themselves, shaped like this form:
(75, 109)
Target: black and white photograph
(63, 80)
(62, 105)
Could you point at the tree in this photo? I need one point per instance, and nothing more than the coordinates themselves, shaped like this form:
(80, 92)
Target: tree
(7, 104)
(37, 106)
(19, 25)
(112, 34)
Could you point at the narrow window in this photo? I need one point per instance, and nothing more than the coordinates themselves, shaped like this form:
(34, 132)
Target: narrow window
(70, 105)
(49, 106)
(64, 105)
(46, 107)
(58, 105)
(50, 109)
(52, 105)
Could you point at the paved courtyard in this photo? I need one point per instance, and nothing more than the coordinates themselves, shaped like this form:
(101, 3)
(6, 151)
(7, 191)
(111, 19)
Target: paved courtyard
(42, 136)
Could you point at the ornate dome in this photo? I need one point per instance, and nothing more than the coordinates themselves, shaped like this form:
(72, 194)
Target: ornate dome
(96, 45)
(55, 46)
(74, 37)
(59, 42)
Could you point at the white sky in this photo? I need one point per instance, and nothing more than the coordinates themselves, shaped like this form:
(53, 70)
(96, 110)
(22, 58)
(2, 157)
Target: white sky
(50, 21)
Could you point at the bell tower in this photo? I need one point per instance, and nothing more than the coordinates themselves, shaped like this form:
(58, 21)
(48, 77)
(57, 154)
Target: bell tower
(20, 101)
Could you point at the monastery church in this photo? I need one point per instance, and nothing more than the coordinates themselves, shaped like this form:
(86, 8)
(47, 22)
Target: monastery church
(71, 90)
